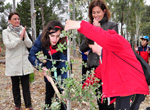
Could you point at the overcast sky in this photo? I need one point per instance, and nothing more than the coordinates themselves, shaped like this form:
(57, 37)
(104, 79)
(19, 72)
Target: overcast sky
(147, 2)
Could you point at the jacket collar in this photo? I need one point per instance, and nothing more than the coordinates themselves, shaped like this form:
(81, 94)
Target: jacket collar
(8, 28)
(103, 21)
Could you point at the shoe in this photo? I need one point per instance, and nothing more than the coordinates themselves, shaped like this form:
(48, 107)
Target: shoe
(29, 108)
(17, 108)
(147, 108)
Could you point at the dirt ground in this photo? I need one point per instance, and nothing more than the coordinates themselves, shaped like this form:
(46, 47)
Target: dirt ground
(6, 99)
(37, 92)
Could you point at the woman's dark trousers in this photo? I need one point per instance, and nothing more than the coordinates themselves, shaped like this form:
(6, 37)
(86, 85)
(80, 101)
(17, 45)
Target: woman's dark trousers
(104, 105)
(24, 80)
(123, 103)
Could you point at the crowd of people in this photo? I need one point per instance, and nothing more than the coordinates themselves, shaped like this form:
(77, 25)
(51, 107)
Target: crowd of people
(102, 48)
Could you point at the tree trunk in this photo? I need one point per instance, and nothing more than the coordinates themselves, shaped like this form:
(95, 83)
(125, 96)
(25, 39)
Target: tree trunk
(14, 5)
(33, 21)
(42, 13)
(74, 39)
(122, 22)
(68, 41)
(137, 28)
(68, 57)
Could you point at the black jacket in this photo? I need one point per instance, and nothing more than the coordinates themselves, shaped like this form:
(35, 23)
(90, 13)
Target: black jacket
(108, 25)
(93, 57)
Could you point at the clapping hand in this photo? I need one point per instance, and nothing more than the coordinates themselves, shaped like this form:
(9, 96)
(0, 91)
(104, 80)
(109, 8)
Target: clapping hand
(22, 35)
(135, 48)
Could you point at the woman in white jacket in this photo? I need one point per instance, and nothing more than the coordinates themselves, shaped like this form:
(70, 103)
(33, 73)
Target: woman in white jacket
(18, 66)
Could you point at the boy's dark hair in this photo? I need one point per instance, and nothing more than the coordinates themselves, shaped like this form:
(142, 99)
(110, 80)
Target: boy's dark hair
(146, 40)
(92, 58)
(84, 47)
(89, 41)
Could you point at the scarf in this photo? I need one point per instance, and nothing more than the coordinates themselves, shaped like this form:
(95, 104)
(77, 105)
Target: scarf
(15, 29)
(51, 51)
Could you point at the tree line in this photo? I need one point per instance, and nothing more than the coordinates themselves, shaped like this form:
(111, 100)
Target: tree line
(131, 15)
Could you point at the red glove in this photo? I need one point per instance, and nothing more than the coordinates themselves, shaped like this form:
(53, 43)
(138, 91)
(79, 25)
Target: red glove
(90, 81)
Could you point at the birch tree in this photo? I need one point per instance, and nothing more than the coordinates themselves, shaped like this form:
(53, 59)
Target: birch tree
(33, 22)
(14, 5)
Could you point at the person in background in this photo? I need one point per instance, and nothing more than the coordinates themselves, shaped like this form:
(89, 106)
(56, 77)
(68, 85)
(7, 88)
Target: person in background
(144, 52)
(84, 66)
(120, 71)
(99, 15)
(47, 42)
(144, 49)
(18, 66)
(30, 37)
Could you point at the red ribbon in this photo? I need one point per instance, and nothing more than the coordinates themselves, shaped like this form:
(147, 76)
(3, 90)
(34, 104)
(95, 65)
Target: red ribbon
(58, 27)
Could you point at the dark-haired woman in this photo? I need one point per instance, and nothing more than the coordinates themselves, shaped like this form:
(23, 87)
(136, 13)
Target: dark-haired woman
(18, 66)
(47, 43)
(99, 16)
(99, 12)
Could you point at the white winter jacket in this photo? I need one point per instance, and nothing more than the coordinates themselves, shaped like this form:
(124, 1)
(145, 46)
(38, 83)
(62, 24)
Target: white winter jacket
(17, 63)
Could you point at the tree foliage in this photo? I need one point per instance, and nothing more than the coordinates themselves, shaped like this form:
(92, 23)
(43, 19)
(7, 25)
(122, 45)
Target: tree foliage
(50, 7)
(24, 11)
(128, 13)
(1, 6)
(145, 20)
(4, 11)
